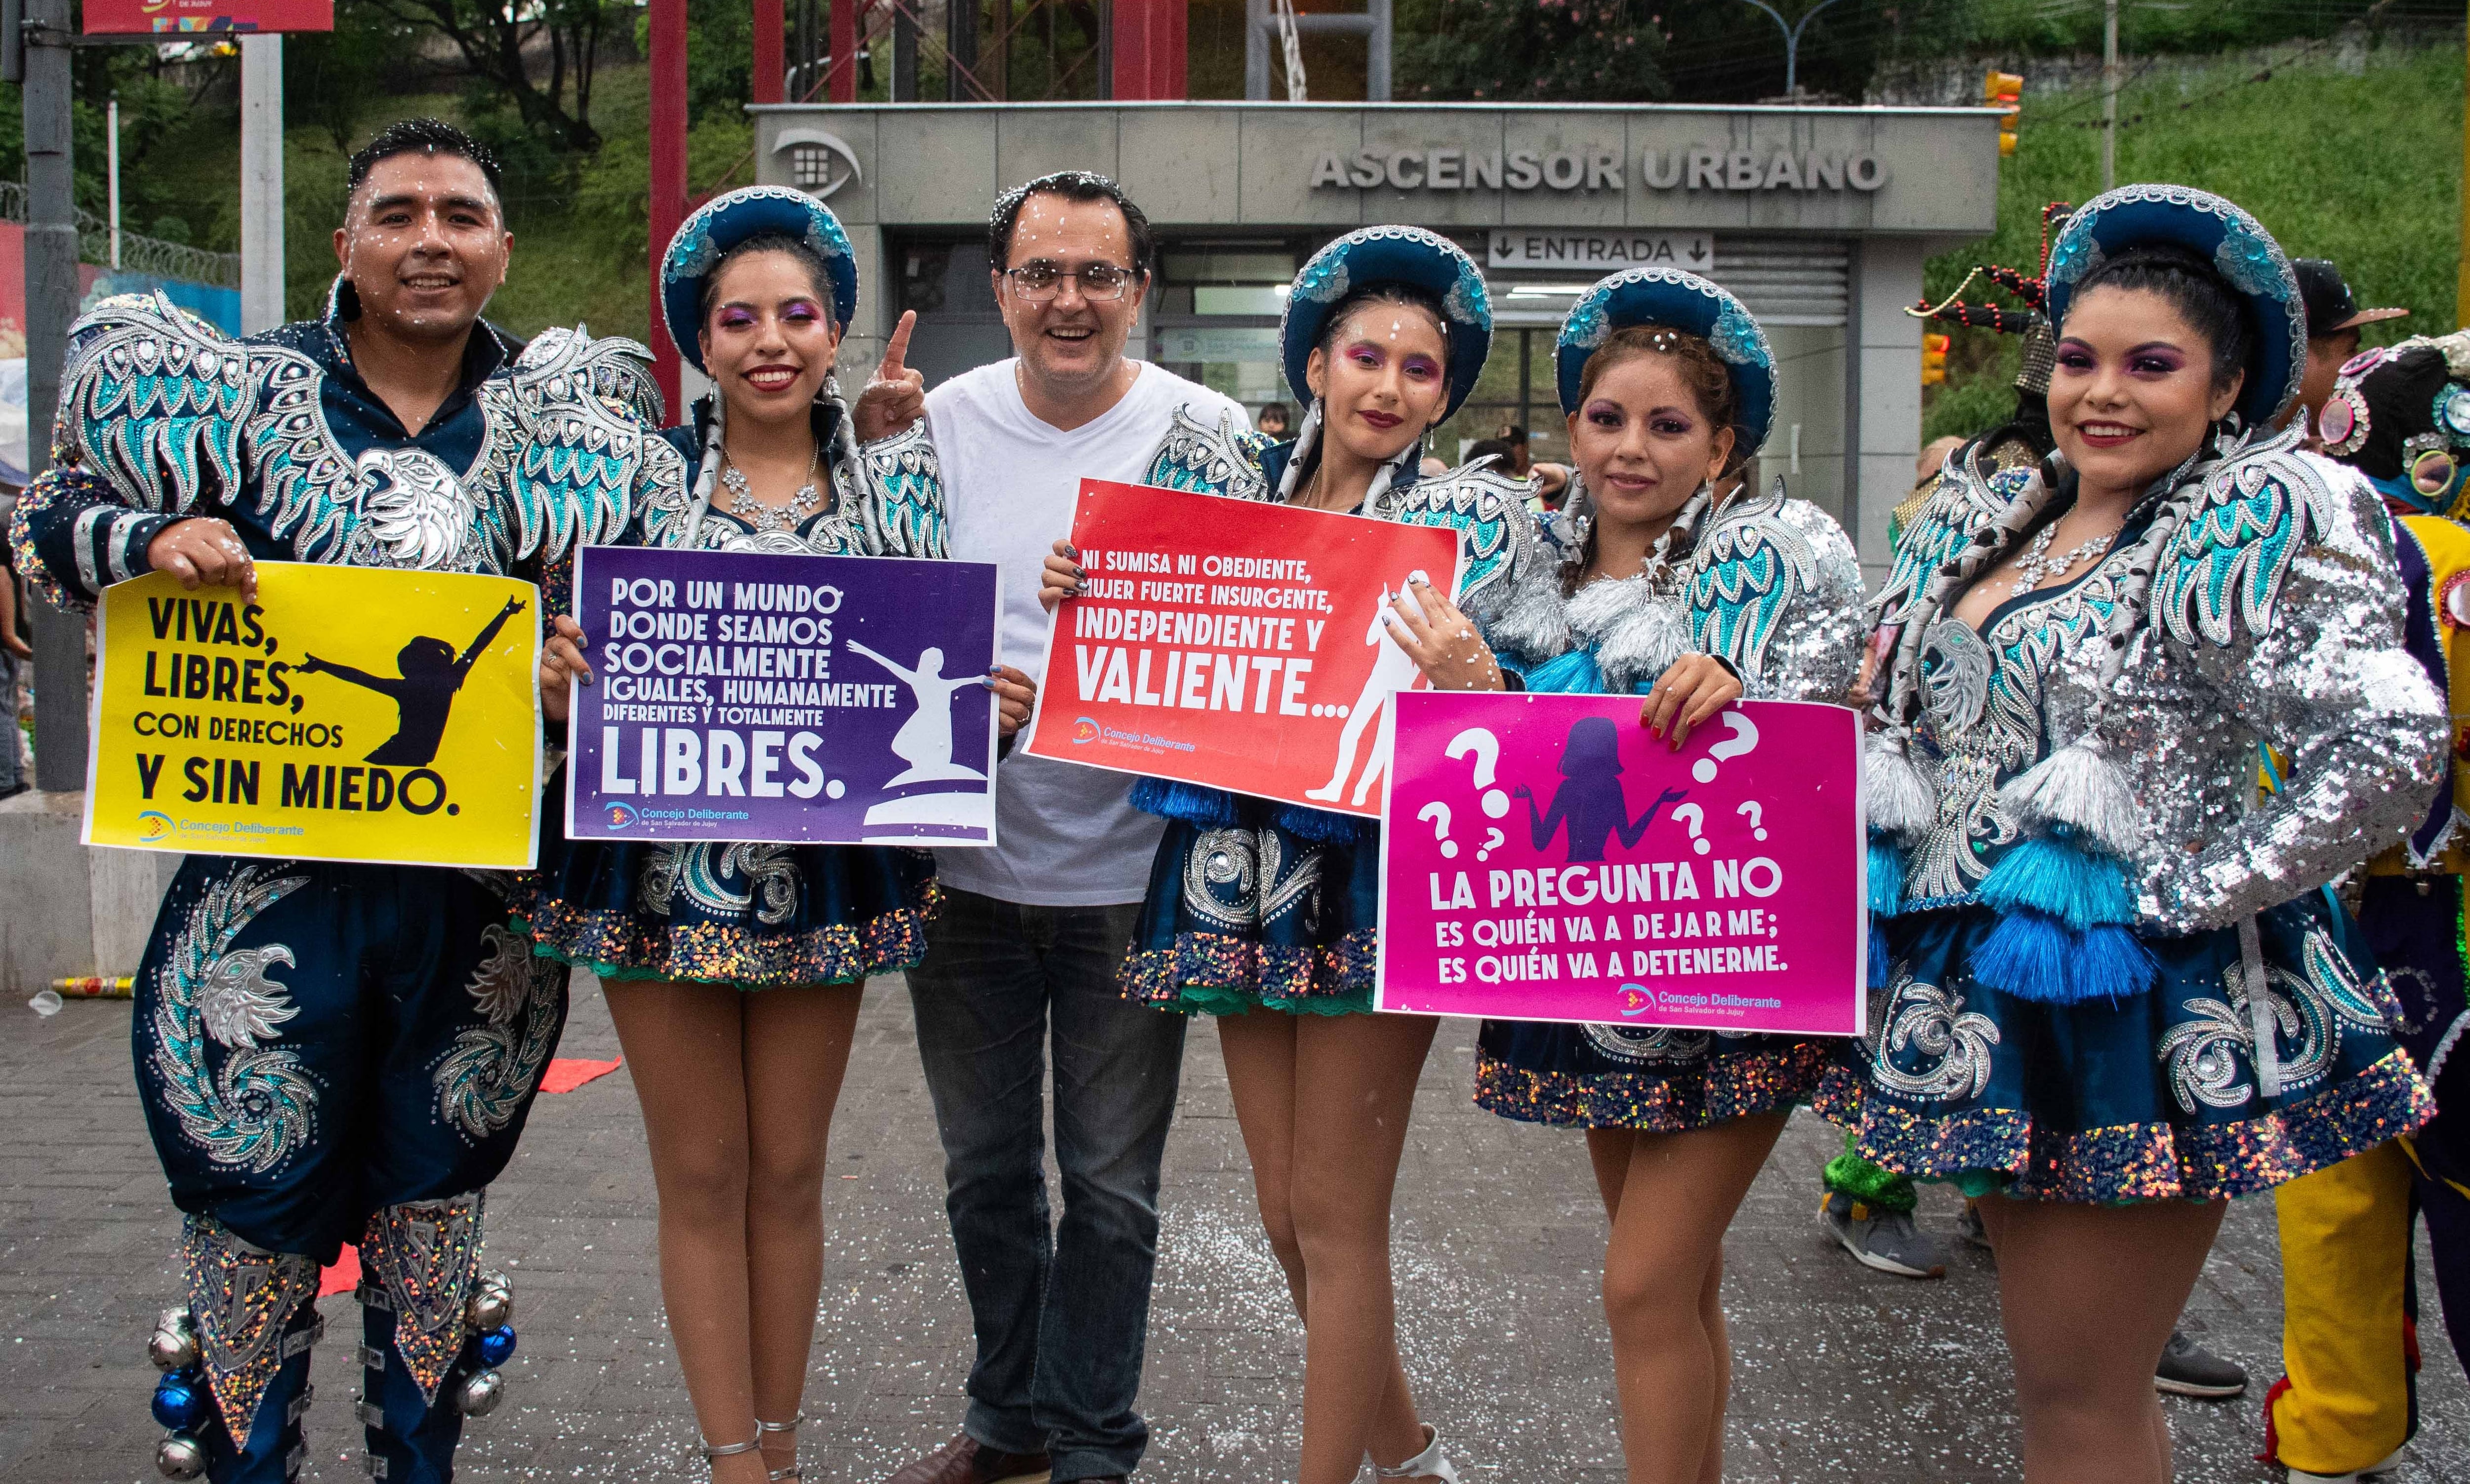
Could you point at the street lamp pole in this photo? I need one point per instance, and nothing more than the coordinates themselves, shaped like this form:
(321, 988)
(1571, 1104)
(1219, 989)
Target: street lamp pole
(1791, 39)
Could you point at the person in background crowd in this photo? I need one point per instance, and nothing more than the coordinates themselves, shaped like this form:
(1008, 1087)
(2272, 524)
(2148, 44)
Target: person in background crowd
(1024, 950)
(1265, 915)
(14, 654)
(1669, 386)
(2349, 1399)
(1276, 423)
(734, 971)
(332, 1051)
(2069, 921)
(1551, 480)
(2334, 320)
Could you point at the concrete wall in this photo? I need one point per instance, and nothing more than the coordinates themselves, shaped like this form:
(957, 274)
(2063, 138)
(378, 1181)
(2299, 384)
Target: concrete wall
(66, 909)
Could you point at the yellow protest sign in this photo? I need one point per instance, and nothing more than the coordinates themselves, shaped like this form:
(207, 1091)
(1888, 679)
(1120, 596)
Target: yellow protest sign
(349, 714)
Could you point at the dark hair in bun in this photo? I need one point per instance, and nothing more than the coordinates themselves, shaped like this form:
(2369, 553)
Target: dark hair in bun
(2191, 286)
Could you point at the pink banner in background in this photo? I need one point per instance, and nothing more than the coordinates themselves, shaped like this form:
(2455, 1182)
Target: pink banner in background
(1546, 857)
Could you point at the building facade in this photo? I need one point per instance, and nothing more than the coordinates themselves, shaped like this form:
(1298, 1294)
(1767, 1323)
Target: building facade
(1819, 219)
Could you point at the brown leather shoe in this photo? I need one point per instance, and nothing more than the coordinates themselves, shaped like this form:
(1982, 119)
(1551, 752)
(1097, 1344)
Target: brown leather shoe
(964, 1460)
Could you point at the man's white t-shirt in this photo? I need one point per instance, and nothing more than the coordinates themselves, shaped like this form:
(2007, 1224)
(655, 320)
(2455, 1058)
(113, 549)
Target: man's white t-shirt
(1069, 835)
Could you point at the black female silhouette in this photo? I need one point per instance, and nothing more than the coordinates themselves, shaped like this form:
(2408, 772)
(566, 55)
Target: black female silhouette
(423, 693)
(1590, 800)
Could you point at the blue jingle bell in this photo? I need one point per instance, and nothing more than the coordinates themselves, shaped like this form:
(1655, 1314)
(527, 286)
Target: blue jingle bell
(179, 1402)
(497, 1346)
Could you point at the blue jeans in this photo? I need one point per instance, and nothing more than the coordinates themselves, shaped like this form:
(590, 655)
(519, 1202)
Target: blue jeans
(1061, 1310)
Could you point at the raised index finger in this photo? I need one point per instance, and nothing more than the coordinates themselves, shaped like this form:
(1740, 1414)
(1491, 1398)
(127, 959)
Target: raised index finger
(897, 349)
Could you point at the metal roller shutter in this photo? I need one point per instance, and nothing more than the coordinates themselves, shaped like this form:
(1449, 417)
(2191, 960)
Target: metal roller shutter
(1786, 280)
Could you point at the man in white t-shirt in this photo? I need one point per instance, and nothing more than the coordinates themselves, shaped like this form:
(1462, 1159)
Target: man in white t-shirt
(1031, 933)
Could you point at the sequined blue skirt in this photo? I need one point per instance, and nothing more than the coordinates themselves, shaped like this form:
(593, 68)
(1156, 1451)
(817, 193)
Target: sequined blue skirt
(757, 916)
(1248, 915)
(1639, 1076)
(2148, 1097)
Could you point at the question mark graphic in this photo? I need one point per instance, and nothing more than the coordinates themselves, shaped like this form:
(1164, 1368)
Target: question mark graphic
(1492, 840)
(1486, 748)
(1439, 814)
(1697, 819)
(1746, 736)
(1758, 817)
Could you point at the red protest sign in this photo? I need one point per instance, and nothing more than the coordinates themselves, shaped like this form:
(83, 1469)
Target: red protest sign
(1233, 643)
(144, 17)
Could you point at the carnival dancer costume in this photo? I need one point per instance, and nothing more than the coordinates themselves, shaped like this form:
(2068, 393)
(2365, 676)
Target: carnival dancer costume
(1253, 903)
(2401, 416)
(332, 1052)
(753, 915)
(1766, 584)
(2093, 982)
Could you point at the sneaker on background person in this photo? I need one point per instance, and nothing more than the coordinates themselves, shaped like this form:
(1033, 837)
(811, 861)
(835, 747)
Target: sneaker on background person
(1884, 1237)
(2187, 1369)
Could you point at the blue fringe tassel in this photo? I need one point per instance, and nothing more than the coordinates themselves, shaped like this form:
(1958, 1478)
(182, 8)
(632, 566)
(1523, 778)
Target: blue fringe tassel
(1212, 807)
(1886, 876)
(1878, 958)
(2034, 956)
(1323, 827)
(2056, 874)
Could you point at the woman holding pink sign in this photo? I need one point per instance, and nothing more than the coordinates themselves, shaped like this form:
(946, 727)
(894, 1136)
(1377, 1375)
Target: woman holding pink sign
(739, 1087)
(1264, 914)
(2109, 996)
(1664, 590)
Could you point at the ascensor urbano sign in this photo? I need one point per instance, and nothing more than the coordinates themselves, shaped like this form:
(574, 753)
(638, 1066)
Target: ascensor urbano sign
(1698, 167)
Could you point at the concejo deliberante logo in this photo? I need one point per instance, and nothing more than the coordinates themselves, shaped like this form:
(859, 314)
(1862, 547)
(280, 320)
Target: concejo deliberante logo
(154, 824)
(621, 814)
(1085, 730)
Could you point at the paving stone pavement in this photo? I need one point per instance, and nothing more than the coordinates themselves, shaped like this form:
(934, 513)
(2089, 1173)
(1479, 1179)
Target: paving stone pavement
(1840, 1374)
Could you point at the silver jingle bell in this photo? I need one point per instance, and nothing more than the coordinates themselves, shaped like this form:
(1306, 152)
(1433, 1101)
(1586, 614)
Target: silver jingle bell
(174, 1343)
(180, 1456)
(479, 1395)
(488, 1307)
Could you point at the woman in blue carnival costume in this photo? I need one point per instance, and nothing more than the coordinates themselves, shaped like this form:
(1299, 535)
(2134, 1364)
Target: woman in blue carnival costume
(1669, 389)
(2109, 996)
(1264, 913)
(2347, 1403)
(737, 1087)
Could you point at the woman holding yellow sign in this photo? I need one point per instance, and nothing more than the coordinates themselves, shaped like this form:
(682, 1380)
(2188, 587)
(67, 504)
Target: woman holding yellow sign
(739, 1087)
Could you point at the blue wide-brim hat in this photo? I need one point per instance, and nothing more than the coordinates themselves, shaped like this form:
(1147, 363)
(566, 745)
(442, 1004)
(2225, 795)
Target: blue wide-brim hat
(1389, 254)
(1677, 300)
(726, 221)
(2234, 243)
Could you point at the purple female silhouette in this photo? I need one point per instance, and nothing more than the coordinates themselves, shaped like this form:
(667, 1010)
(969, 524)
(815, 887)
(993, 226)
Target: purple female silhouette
(1590, 800)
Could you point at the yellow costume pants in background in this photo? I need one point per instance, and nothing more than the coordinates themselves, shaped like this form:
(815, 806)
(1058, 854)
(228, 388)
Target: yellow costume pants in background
(2345, 1337)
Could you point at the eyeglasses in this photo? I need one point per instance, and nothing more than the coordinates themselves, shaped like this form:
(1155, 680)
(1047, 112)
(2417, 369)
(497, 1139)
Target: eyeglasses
(1039, 281)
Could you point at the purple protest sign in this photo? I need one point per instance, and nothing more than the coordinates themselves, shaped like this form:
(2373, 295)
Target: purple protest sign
(804, 700)
(1545, 857)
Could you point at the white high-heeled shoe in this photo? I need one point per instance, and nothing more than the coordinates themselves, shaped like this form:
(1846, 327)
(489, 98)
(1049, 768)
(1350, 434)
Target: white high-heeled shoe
(1432, 1463)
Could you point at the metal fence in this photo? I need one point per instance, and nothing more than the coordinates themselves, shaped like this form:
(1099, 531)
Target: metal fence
(138, 252)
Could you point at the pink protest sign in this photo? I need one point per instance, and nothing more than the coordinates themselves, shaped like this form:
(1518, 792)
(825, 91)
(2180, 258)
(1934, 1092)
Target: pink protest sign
(1545, 857)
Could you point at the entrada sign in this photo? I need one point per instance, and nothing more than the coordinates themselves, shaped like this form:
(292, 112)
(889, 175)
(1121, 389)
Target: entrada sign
(1698, 167)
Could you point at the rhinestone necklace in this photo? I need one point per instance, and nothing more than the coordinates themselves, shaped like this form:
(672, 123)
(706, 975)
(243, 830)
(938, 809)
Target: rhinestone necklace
(743, 504)
(2036, 566)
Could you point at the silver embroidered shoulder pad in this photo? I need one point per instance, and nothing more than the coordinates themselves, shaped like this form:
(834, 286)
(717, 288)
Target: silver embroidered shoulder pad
(1967, 498)
(2256, 509)
(1487, 507)
(566, 439)
(1208, 459)
(157, 401)
(1770, 566)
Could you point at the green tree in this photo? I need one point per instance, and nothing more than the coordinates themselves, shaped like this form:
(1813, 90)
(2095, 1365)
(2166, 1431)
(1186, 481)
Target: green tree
(492, 34)
(1531, 51)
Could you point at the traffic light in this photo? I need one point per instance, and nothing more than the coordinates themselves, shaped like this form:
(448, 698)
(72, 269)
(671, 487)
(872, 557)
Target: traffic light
(2004, 91)
(1933, 360)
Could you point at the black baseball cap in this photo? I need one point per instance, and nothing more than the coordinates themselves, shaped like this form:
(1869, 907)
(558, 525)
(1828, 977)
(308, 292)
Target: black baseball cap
(2330, 308)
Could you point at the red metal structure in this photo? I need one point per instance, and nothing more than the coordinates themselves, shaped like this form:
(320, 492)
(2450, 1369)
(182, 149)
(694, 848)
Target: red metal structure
(769, 53)
(1149, 46)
